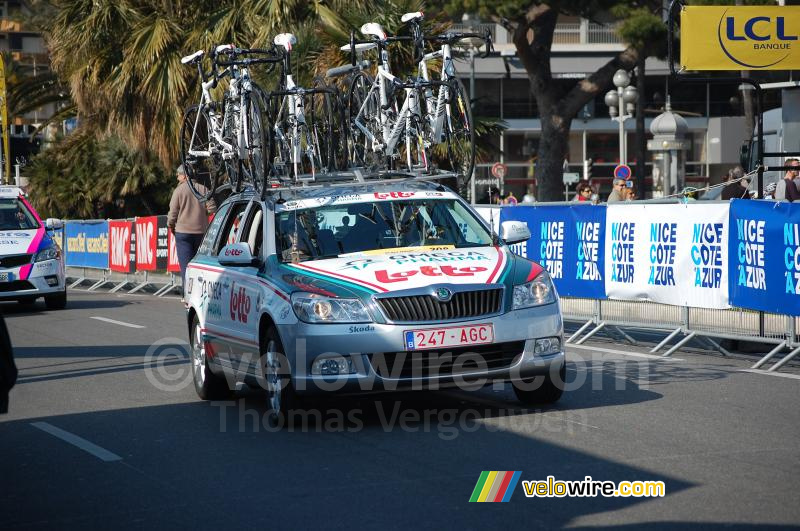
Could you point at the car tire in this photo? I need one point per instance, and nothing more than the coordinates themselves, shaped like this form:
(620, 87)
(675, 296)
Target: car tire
(56, 302)
(27, 301)
(548, 392)
(208, 385)
(280, 395)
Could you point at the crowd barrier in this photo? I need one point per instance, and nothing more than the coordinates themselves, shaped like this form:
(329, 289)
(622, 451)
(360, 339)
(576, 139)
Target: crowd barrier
(129, 253)
(698, 270)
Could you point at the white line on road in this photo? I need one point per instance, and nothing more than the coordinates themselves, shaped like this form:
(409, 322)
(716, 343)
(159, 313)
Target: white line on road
(779, 374)
(623, 352)
(121, 323)
(80, 442)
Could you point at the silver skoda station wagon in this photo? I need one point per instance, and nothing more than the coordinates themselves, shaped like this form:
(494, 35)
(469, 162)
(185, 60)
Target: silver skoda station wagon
(368, 286)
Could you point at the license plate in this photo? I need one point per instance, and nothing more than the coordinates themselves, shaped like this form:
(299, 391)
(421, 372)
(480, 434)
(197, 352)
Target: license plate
(4, 277)
(452, 336)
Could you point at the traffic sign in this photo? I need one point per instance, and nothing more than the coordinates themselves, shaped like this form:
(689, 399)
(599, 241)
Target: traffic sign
(499, 170)
(571, 177)
(622, 171)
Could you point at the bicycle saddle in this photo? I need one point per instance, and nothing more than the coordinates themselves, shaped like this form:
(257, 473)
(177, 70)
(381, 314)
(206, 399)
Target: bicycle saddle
(360, 47)
(192, 57)
(411, 16)
(373, 28)
(287, 40)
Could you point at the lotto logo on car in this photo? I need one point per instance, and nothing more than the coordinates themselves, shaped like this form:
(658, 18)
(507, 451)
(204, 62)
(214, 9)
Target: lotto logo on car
(240, 304)
(233, 252)
(393, 195)
(430, 271)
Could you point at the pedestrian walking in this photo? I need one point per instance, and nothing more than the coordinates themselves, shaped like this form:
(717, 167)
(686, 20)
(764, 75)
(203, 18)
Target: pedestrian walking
(188, 220)
(786, 189)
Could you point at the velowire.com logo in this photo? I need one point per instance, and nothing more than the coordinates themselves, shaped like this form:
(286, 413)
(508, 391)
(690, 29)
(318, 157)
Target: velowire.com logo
(494, 486)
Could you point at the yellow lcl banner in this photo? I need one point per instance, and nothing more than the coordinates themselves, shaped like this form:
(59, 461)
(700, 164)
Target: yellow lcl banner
(740, 38)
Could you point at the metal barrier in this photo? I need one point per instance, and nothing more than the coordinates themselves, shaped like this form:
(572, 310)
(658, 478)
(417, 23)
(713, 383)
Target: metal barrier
(164, 283)
(703, 324)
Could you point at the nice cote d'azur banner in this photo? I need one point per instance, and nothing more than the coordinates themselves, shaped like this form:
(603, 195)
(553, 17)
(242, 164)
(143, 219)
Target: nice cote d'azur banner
(673, 254)
(568, 242)
(764, 253)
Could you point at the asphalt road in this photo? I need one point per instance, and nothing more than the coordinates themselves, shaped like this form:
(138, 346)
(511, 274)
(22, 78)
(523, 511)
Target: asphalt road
(151, 455)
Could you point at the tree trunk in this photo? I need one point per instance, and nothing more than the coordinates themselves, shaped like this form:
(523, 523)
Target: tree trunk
(553, 148)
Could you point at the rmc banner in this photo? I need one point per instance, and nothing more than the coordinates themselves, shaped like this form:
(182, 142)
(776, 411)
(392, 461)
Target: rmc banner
(672, 254)
(86, 243)
(740, 38)
(765, 256)
(568, 241)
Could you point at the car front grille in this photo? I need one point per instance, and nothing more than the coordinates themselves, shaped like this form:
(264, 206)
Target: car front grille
(15, 261)
(459, 360)
(463, 304)
(15, 285)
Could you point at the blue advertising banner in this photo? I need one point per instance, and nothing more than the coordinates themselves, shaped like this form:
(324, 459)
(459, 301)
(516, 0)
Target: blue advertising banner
(765, 256)
(569, 242)
(86, 243)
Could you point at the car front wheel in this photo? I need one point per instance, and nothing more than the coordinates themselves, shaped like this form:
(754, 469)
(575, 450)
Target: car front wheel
(56, 302)
(548, 391)
(277, 379)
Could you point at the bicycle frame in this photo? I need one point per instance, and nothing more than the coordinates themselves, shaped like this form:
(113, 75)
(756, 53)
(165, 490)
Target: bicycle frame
(391, 130)
(436, 118)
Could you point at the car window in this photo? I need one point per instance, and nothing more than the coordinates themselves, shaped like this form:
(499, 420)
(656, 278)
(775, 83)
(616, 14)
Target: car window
(207, 247)
(333, 230)
(253, 230)
(14, 214)
(230, 231)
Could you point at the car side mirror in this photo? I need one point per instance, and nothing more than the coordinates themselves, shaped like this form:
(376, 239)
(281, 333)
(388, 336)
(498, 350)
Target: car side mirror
(53, 224)
(514, 232)
(237, 255)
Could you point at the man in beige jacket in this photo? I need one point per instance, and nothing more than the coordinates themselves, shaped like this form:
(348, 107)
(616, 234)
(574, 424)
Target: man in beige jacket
(187, 220)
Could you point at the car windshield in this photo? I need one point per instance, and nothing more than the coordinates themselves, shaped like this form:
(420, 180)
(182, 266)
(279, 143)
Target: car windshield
(339, 229)
(14, 215)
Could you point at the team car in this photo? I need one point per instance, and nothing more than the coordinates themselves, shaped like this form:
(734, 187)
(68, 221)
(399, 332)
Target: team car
(31, 262)
(369, 286)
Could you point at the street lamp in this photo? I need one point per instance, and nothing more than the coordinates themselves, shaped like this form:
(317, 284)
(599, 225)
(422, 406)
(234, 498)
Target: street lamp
(615, 99)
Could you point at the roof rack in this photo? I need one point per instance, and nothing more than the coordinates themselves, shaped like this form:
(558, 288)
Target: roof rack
(356, 176)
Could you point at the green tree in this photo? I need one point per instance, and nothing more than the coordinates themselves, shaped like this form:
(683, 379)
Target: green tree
(531, 25)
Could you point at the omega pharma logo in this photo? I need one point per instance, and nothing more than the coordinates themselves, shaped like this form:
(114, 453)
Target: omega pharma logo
(755, 42)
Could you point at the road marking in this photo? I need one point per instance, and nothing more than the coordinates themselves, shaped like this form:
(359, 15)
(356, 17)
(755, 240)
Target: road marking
(80, 442)
(112, 321)
(624, 353)
(765, 373)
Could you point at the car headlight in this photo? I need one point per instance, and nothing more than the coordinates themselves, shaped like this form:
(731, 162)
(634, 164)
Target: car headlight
(51, 253)
(538, 291)
(313, 308)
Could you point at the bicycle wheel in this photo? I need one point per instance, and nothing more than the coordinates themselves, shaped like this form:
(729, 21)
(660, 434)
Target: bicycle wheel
(321, 124)
(459, 131)
(229, 134)
(413, 149)
(281, 150)
(364, 120)
(199, 153)
(254, 163)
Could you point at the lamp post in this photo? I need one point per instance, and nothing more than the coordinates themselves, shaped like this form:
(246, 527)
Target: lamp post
(621, 104)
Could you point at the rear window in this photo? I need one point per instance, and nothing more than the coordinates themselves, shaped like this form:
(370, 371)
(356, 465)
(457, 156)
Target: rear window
(14, 215)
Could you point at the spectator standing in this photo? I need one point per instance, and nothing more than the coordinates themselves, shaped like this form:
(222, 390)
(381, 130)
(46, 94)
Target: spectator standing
(737, 185)
(616, 192)
(187, 220)
(584, 192)
(786, 189)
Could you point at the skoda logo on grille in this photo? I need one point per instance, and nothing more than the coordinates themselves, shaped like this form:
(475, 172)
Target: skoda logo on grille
(443, 294)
